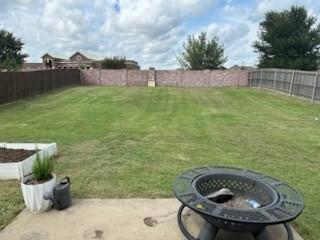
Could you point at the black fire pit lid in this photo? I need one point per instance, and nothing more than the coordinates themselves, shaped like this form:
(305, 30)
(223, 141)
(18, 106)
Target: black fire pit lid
(288, 205)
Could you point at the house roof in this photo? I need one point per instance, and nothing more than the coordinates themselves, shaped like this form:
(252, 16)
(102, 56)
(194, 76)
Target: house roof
(90, 58)
(234, 67)
(79, 53)
(49, 55)
(45, 55)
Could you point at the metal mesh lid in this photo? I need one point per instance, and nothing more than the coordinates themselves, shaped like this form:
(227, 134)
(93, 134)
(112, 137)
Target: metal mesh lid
(281, 203)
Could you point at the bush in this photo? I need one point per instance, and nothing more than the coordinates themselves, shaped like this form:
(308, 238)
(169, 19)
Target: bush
(201, 52)
(42, 169)
(114, 63)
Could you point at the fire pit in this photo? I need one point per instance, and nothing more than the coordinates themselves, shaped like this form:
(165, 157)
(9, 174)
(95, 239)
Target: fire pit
(277, 202)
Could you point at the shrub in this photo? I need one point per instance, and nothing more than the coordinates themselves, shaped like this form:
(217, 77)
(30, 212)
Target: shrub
(114, 63)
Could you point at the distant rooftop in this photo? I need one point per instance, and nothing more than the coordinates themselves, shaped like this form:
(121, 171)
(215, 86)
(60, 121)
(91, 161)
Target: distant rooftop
(76, 60)
(237, 67)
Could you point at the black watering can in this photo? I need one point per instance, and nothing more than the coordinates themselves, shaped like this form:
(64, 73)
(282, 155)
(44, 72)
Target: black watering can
(60, 197)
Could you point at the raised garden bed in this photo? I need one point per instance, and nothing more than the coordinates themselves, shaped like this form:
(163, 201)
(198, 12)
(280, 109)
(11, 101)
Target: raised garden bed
(14, 155)
(16, 159)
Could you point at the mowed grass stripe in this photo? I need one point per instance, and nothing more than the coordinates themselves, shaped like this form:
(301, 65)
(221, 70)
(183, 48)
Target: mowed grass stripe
(133, 141)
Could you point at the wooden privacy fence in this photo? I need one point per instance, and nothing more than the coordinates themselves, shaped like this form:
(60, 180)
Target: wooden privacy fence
(293, 82)
(18, 85)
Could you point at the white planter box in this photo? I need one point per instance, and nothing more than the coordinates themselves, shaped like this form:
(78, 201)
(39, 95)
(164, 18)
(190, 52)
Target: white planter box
(33, 195)
(18, 170)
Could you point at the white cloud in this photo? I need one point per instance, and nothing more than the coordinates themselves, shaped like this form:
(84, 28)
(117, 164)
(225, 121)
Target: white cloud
(151, 32)
(147, 31)
(149, 28)
(236, 31)
(240, 26)
(275, 5)
(228, 33)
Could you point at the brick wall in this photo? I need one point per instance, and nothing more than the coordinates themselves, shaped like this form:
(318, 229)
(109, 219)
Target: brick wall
(108, 77)
(137, 77)
(166, 78)
(194, 78)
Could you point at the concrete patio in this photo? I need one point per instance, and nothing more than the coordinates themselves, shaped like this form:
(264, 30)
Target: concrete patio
(114, 219)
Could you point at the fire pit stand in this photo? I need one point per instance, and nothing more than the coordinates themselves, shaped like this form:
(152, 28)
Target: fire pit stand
(279, 202)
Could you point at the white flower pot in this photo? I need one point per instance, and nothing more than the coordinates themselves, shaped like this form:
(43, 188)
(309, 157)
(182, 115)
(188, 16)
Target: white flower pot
(33, 194)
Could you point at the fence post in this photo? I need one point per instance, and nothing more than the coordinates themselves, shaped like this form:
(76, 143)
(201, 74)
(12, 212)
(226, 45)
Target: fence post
(207, 76)
(252, 78)
(152, 77)
(291, 82)
(100, 75)
(261, 78)
(238, 78)
(127, 81)
(275, 79)
(314, 86)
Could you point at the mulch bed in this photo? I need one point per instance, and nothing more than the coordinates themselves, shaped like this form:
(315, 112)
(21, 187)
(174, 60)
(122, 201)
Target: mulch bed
(14, 155)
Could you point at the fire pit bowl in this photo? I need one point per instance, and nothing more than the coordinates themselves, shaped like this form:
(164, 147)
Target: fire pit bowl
(278, 202)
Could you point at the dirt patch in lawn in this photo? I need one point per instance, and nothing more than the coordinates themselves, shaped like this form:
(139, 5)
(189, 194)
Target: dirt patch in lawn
(14, 155)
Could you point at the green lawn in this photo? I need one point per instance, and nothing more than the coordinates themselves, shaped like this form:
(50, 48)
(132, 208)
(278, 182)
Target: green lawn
(132, 142)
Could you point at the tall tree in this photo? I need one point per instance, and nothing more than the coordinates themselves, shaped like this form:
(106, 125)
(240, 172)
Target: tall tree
(202, 53)
(289, 39)
(114, 63)
(11, 56)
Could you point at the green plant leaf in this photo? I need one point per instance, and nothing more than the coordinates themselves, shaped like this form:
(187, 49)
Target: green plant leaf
(42, 169)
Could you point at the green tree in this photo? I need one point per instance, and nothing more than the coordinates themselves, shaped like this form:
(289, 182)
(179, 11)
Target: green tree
(11, 56)
(289, 39)
(114, 63)
(202, 53)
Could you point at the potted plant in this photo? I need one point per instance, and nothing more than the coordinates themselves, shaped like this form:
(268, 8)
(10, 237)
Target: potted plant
(40, 182)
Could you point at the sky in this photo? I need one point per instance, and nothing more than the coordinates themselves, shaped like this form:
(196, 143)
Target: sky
(151, 32)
